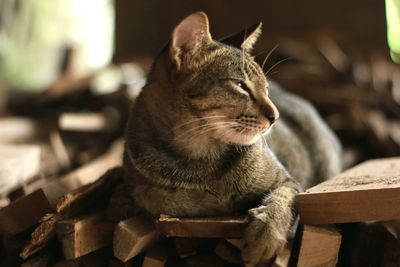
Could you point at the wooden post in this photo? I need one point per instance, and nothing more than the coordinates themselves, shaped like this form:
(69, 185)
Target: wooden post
(319, 246)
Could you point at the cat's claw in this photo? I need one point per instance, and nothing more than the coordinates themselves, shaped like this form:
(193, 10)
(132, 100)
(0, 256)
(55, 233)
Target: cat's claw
(265, 237)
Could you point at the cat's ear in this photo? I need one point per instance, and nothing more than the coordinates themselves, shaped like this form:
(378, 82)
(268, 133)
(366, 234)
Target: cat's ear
(245, 39)
(190, 34)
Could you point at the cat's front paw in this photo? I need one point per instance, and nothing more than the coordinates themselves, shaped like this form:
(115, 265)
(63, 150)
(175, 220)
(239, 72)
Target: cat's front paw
(266, 234)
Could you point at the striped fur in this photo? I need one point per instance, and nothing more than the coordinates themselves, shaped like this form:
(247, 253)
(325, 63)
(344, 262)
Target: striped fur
(200, 140)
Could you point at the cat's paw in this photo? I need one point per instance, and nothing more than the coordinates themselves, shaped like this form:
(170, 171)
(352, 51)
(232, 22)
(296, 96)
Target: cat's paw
(266, 234)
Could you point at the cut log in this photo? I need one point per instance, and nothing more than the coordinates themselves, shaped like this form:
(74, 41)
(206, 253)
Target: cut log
(319, 247)
(367, 192)
(133, 236)
(83, 235)
(18, 163)
(45, 199)
(216, 227)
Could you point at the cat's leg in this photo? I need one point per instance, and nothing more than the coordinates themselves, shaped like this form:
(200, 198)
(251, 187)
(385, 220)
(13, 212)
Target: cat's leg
(270, 224)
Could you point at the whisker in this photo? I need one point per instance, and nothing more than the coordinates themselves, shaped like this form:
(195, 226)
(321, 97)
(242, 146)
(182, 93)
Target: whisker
(268, 55)
(276, 64)
(204, 127)
(198, 119)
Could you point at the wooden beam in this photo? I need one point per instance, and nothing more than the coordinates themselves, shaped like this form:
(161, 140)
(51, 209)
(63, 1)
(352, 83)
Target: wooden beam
(367, 192)
(83, 235)
(319, 246)
(215, 227)
(133, 236)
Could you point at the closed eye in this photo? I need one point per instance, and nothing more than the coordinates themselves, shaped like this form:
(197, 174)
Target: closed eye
(245, 88)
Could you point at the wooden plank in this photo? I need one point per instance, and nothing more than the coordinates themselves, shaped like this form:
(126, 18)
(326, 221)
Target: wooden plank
(319, 246)
(45, 199)
(133, 236)
(215, 227)
(369, 191)
(83, 235)
(24, 213)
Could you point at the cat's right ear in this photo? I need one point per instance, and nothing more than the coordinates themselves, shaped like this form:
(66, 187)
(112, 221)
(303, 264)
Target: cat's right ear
(190, 34)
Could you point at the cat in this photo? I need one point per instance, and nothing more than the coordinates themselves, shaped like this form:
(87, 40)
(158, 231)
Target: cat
(209, 135)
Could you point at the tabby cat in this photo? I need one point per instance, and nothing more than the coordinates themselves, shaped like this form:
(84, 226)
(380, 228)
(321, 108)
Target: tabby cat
(204, 138)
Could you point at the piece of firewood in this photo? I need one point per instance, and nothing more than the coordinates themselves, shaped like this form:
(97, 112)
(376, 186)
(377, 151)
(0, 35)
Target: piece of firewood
(215, 227)
(19, 216)
(185, 247)
(18, 163)
(228, 252)
(45, 200)
(70, 205)
(85, 234)
(156, 256)
(367, 192)
(319, 246)
(133, 236)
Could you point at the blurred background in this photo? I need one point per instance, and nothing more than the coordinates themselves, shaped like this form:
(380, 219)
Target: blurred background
(70, 69)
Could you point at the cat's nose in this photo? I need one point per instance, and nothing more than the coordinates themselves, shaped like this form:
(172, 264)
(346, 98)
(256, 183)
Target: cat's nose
(272, 117)
(270, 111)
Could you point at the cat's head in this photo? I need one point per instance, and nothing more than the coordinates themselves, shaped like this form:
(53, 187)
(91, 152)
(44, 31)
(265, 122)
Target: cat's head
(220, 93)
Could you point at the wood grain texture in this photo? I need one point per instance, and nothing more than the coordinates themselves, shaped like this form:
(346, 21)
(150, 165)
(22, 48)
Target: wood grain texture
(83, 235)
(224, 227)
(369, 191)
(319, 247)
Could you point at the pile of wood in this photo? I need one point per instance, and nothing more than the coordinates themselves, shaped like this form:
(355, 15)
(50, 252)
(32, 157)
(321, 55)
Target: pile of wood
(97, 224)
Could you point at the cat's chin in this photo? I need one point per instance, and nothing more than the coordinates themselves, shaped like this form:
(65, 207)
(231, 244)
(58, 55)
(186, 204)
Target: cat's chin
(240, 139)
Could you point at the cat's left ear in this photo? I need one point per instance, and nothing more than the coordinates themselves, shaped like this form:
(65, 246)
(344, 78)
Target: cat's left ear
(188, 37)
(245, 39)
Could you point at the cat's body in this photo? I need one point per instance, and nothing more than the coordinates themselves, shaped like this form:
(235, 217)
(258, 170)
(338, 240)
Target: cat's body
(194, 144)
